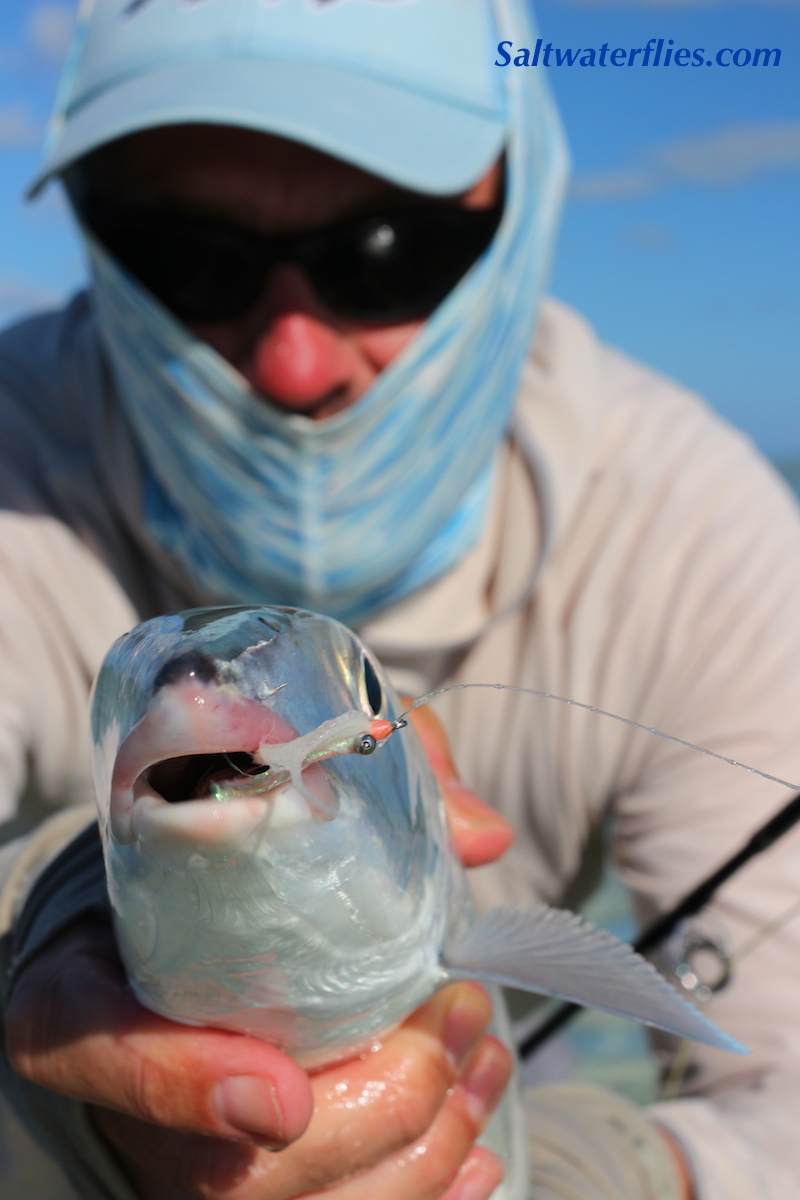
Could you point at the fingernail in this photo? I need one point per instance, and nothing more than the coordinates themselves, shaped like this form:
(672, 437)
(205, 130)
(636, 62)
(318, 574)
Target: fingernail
(475, 1186)
(484, 1083)
(464, 1025)
(477, 1182)
(249, 1106)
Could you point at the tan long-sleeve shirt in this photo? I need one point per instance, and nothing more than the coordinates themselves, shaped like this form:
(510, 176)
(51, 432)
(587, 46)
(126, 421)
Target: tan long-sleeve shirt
(638, 556)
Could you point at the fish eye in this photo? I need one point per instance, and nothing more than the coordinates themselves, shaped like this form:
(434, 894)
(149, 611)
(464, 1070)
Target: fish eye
(373, 686)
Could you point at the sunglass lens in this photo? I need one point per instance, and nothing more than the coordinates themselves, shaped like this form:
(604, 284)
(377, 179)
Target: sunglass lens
(391, 268)
(196, 271)
(401, 267)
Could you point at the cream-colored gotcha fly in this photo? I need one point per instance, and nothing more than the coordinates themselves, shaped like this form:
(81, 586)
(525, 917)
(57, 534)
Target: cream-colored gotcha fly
(278, 859)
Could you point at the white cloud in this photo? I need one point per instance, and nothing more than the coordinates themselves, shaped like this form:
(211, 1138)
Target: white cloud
(18, 127)
(723, 159)
(50, 29)
(624, 184)
(732, 155)
(21, 294)
(648, 237)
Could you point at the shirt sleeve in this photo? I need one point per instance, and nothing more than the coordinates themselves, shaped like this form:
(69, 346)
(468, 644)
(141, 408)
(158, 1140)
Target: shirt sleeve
(49, 880)
(60, 610)
(708, 627)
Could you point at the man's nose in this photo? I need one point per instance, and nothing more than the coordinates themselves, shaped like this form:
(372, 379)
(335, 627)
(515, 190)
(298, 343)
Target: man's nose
(300, 360)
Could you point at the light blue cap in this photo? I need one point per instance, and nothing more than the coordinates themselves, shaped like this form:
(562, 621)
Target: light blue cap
(406, 89)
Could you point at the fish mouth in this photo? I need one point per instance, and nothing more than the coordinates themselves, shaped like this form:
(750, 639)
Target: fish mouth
(193, 739)
(196, 776)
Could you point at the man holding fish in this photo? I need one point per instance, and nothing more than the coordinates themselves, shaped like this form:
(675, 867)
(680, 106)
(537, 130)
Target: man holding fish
(304, 375)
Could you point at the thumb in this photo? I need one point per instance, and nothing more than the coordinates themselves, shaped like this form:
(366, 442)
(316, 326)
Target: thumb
(74, 1028)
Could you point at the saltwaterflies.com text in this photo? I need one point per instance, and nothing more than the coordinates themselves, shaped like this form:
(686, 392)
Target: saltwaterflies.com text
(659, 52)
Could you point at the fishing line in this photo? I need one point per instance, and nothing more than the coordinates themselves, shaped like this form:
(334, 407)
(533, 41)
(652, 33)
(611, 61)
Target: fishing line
(239, 771)
(765, 932)
(257, 783)
(667, 737)
(681, 1061)
(657, 933)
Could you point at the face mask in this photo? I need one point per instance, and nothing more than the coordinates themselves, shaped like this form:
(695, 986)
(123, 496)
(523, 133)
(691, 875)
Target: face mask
(350, 514)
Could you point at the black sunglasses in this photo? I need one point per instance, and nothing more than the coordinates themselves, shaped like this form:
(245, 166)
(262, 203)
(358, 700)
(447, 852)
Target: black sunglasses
(391, 267)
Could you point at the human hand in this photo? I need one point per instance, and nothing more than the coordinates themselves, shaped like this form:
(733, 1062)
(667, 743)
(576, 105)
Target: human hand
(195, 1113)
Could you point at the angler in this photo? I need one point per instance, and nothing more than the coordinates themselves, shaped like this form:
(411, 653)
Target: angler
(315, 367)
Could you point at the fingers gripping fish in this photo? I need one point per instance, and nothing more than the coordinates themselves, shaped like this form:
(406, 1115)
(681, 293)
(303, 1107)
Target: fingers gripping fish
(269, 874)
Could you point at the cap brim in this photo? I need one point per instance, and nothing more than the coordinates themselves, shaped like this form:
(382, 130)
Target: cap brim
(420, 141)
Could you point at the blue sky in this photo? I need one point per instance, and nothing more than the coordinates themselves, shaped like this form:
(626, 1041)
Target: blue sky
(680, 240)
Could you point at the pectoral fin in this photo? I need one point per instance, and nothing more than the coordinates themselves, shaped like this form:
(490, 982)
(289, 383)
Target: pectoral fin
(546, 950)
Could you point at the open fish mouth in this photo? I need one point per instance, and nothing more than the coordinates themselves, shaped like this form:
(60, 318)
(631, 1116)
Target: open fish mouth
(221, 799)
(204, 776)
(196, 741)
(199, 743)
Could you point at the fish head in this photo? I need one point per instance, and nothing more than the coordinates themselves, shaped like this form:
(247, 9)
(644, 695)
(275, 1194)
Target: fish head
(187, 707)
(262, 874)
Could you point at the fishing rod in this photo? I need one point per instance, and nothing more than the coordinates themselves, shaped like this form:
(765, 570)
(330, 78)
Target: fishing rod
(698, 898)
(769, 833)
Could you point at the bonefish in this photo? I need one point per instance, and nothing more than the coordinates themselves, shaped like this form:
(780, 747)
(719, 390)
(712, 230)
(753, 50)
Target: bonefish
(277, 852)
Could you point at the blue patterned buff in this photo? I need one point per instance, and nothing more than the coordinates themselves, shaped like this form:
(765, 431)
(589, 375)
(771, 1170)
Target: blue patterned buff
(350, 514)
